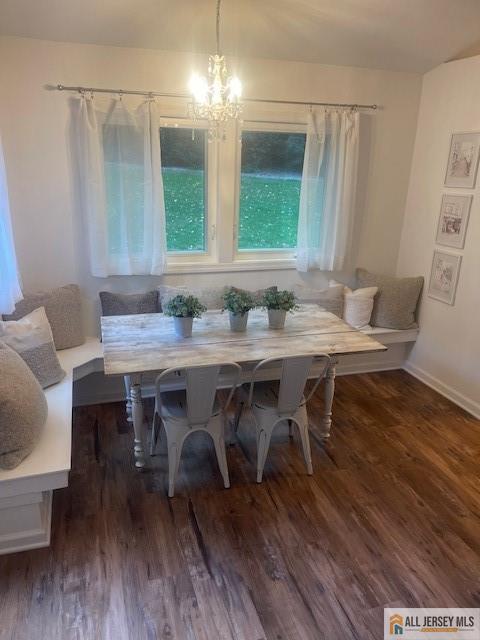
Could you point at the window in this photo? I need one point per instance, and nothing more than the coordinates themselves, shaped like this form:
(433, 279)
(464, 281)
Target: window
(270, 180)
(229, 204)
(184, 154)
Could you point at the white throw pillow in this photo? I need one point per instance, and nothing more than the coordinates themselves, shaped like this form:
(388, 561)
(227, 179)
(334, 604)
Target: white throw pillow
(31, 337)
(358, 305)
(328, 299)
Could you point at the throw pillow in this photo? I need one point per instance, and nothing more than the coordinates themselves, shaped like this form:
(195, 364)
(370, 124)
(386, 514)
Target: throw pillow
(395, 304)
(31, 337)
(358, 305)
(64, 312)
(257, 293)
(211, 297)
(328, 299)
(23, 409)
(125, 304)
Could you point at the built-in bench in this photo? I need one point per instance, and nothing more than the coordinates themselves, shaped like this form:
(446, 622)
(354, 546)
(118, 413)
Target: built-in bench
(26, 491)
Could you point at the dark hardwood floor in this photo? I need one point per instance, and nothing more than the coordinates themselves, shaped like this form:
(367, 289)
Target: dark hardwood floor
(390, 517)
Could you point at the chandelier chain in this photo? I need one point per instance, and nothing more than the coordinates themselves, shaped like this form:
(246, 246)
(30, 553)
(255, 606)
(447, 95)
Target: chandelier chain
(218, 27)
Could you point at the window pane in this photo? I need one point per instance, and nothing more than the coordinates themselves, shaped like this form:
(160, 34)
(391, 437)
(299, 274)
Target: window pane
(271, 175)
(183, 171)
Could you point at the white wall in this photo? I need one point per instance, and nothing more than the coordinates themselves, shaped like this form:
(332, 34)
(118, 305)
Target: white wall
(447, 352)
(34, 125)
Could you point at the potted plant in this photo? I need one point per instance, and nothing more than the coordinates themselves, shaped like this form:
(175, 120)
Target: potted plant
(238, 302)
(184, 309)
(277, 304)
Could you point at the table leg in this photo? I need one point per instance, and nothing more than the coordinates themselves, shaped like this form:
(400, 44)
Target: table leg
(137, 418)
(329, 393)
(128, 399)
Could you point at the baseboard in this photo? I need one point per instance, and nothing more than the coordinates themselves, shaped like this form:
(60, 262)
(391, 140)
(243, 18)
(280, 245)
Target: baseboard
(444, 389)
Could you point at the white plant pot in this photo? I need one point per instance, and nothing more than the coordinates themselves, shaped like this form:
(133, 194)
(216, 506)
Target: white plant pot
(238, 321)
(183, 327)
(276, 318)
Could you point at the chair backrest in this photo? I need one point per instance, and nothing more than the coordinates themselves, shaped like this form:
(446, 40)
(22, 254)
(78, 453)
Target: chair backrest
(293, 379)
(201, 383)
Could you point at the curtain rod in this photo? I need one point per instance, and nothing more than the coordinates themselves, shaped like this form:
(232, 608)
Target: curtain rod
(61, 87)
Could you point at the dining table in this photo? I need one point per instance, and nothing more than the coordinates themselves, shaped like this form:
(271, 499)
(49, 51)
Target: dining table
(134, 345)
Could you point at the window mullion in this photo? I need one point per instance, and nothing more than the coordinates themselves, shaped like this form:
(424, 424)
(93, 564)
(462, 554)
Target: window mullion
(226, 181)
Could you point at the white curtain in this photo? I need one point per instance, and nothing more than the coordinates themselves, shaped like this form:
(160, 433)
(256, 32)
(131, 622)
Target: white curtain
(121, 185)
(327, 197)
(10, 291)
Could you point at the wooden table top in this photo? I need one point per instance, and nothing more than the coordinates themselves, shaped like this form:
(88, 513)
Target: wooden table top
(147, 342)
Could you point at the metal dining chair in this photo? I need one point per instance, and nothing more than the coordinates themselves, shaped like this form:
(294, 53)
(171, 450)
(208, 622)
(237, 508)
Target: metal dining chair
(195, 408)
(273, 403)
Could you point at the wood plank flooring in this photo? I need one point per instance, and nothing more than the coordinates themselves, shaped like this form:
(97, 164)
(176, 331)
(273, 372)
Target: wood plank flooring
(390, 517)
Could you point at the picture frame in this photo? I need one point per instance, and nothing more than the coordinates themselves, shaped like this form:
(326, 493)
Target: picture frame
(444, 276)
(453, 220)
(463, 160)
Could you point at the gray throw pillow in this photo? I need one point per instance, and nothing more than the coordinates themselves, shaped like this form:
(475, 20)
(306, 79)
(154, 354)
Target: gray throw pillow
(125, 304)
(31, 337)
(395, 305)
(64, 313)
(23, 409)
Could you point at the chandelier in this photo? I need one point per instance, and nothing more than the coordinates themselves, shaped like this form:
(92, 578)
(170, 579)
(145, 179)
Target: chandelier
(216, 98)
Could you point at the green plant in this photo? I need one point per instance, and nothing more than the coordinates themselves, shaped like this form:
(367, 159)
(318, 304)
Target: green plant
(184, 307)
(238, 301)
(284, 300)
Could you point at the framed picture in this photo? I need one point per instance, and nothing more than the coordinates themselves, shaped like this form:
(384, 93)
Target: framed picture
(453, 220)
(444, 276)
(463, 160)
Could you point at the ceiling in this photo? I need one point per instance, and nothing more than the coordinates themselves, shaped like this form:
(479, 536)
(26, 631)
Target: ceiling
(402, 35)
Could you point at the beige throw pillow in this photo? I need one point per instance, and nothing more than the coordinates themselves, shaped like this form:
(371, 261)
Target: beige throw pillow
(211, 297)
(395, 305)
(64, 313)
(23, 409)
(31, 337)
(328, 299)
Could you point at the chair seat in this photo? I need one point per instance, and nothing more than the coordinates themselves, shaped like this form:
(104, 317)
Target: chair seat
(174, 405)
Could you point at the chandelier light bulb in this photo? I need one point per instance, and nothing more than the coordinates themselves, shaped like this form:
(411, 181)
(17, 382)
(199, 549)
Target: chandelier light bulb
(235, 87)
(198, 87)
